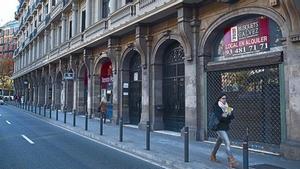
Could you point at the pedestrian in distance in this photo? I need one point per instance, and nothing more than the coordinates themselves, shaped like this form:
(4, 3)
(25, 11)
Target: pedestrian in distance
(225, 115)
(103, 108)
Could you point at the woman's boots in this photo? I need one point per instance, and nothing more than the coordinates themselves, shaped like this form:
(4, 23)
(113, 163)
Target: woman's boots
(232, 163)
(213, 158)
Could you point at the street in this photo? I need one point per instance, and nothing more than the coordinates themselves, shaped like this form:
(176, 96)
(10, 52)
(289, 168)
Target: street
(27, 142)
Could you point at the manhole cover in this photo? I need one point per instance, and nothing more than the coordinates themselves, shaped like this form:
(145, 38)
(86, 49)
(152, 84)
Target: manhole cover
(266, 166)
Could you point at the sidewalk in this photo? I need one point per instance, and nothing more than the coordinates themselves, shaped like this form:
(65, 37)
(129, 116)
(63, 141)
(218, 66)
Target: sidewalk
(165, 150)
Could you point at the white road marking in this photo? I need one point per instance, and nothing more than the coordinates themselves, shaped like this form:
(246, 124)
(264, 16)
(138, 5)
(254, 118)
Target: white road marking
(99, 142)
(8, 122)
(27, 139)
(0, 115)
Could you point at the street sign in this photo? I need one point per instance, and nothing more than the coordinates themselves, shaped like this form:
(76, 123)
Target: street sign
(68, 76)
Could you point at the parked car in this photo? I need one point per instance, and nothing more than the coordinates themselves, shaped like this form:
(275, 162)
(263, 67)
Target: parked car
(1, 101)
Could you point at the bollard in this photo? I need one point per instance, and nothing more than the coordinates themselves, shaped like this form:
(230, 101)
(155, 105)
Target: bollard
(74, 118)
(44, 111)
(121, 129)
(65, 116)
(31, 108)
(246, 151)
(101, 125)
(40, 110)
(148, 135)
(35, 109)
(186, 144)
(56, 118)
(86, 121)
(50, 113)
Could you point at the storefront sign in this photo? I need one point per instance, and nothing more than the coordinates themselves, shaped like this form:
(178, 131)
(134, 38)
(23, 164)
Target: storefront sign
(106, 79)
(136, 76)
(68, 76)
(251, 36)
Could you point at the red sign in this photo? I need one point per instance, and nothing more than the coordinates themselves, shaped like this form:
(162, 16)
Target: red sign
(251, 36)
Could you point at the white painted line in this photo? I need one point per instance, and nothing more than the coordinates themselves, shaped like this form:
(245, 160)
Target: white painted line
(27, 139)
(172, 133)
(104, 144)
(131, 126)
(8, 122)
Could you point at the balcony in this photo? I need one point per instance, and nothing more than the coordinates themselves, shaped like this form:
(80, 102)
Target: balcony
(57, 9)
(47, 19)
(150, 5)
(76, 41)
(123, 15)
(95, 30)
(144, 3)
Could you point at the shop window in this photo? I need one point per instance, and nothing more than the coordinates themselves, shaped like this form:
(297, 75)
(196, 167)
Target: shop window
(251, 35)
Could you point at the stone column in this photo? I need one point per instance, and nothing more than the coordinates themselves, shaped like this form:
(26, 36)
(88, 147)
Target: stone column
(143, 44)
(88, 15)
(112, 6)
(53, 93)
(50, 6)
(37, 47)
(75, 95)
(90, 85)
(41, 92)
(46, 94)
(52, 36)
(188, 26)
(45, 41)
(97, 10)
(74, 18)
(63, 28)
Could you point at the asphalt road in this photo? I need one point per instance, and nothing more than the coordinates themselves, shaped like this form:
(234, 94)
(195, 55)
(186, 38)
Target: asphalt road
(29, 143)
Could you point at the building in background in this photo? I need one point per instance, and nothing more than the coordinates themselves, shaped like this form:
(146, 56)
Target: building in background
(7, 47)
(7, 41)
(166, 61)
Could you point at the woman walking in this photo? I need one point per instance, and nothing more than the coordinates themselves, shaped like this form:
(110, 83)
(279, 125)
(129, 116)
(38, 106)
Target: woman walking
(103, 108)
(224, 114)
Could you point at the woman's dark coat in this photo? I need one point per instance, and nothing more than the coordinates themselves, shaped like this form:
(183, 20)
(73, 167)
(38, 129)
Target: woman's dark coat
(224, 121)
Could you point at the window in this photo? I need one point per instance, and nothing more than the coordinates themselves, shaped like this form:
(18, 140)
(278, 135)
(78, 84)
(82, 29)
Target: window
(53, 2)
(105, 9)
(46, 8)
(70, 30)
(83, 21)
(40, 17)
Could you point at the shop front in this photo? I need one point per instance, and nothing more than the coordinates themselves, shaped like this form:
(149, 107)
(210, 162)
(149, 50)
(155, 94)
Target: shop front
(245, 63)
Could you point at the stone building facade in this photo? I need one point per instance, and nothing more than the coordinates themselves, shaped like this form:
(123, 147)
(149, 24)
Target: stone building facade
(166, 61)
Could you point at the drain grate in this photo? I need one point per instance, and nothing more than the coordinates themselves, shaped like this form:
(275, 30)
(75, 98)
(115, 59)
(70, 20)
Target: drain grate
(266, 166)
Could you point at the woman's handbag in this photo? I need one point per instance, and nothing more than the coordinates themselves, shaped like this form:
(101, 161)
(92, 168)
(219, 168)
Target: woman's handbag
(213, 121)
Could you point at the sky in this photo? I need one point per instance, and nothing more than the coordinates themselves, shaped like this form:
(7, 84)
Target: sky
(7, 10)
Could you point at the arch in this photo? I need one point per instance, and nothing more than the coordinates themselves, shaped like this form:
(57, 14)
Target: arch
(129, 52)
(131, 75)
(82, 77)
(164, 40)
(168, 74)
(275, 16)
(99, 60)
(100, 90)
